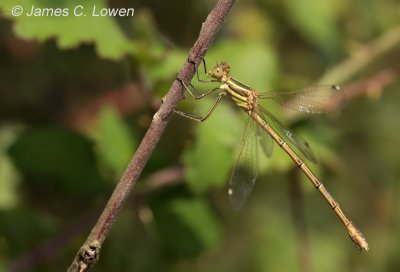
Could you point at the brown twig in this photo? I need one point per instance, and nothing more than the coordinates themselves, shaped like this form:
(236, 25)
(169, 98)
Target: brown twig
(363, 57)
(372, 85)
(52, 248)
(89, 252)
(165, 177)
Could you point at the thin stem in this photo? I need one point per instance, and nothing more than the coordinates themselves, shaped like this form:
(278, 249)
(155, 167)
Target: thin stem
(87, 256)
(52, 249)
(363, 57)
(300, 223)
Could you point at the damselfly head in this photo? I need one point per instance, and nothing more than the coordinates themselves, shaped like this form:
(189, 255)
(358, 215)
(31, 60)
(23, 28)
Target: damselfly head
(219, 70)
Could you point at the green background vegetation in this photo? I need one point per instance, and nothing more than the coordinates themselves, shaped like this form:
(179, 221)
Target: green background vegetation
(78, 93)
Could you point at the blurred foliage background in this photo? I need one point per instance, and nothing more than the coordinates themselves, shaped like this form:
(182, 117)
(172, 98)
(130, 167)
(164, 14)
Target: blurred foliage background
(78, 93)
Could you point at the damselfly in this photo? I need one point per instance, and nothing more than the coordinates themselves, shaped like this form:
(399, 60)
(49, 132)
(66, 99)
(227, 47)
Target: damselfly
(313, 99)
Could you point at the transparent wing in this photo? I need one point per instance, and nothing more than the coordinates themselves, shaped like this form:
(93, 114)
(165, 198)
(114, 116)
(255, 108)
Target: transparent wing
(312, 99)
(266, 141)
(297, 141)
(245, 171)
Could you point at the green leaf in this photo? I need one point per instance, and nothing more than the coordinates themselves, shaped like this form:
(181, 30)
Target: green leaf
(8, 183)
(24, 228)
(186, 226)
(168, 67)
(317, 20)
(114, 140)
(55, 154)
(9, 176)
(71, 30)
(210, 160)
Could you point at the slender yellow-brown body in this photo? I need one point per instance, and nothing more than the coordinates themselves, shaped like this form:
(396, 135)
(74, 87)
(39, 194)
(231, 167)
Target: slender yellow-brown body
(246, 98)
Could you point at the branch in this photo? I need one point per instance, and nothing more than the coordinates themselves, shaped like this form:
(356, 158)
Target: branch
(89, 252)
(52, 249)
(363, 57)
(165, 177)
(299, 221)
(372, 85)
